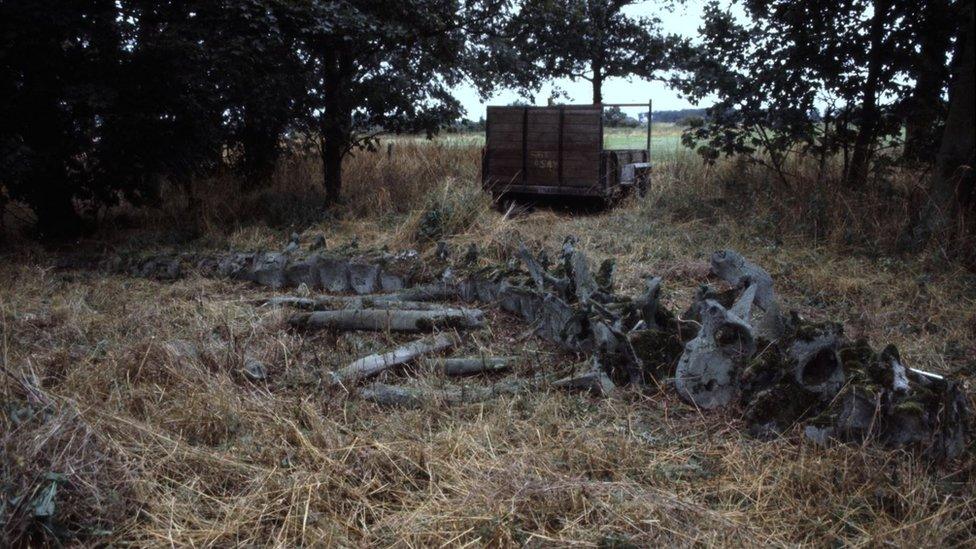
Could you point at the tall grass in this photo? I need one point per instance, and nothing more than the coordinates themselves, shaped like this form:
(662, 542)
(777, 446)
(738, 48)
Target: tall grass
(392, 180)
(810, 202)
(403, 176)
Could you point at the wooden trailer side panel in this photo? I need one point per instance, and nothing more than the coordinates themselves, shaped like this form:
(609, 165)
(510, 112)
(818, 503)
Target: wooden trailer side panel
(582, 138)
(549, 147)
(504, 145)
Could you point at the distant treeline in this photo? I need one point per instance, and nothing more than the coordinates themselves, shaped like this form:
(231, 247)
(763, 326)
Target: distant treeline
(680, 115)
(613, 118)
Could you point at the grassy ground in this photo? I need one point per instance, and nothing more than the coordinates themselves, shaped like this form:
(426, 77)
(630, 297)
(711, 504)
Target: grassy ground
(147, 443)
(665, 139)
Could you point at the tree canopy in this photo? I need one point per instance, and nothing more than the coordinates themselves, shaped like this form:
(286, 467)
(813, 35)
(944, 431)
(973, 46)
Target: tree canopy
(391, 65)
(103, 100)
(823, 76)
(592, 40)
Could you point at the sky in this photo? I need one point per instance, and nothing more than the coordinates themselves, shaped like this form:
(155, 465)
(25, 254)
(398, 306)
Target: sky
(684, 20)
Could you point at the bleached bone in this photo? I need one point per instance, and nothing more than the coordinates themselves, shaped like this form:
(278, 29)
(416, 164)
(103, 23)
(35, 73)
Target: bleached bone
(731, 267)
(476, 365)
(742, 307)
(390, 320)
(254, 369)
(412, 397)
(899, 374)
(708, 372)
(374, 364)
(647, 303)
(330, 273)
(578, 270)
(541, 277)
(324, 303)
(268, 269)
(595, 380)
(536, 271)
(558, 322)
(609, 342)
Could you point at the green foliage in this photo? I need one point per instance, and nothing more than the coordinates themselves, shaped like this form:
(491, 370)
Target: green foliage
(101, 101)
(613, 117)
(391, 65)
(772, 70)
(593, 40)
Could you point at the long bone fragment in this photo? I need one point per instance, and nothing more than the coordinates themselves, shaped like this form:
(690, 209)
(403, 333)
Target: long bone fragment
(389, 320)
(374, 364)
(412, 397)
(476, 365)
(324, 303)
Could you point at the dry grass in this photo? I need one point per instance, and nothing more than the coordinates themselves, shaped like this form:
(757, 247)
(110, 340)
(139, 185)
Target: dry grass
(159, 445)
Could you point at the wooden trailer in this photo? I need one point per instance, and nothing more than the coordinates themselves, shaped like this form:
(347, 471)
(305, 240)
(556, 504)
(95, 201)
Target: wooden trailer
(558, 151)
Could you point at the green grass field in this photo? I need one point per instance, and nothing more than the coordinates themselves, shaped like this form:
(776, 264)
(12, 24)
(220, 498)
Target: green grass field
(665, 139)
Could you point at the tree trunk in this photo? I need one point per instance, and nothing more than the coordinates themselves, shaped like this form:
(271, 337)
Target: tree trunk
(597, 82)
(336, 121)
(930, 73)
(56, 214)
(868, 119)
(332, 166)
(260, 142)
(952, 180)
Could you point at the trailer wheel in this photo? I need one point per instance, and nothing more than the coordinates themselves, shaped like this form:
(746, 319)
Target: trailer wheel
(642, 183)
(501, 202)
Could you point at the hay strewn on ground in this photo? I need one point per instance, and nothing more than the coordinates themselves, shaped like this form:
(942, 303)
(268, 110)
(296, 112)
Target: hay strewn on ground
(127, 395)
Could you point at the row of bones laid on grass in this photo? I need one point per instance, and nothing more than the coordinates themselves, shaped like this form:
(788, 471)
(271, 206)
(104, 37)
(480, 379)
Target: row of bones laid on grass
(729, 347)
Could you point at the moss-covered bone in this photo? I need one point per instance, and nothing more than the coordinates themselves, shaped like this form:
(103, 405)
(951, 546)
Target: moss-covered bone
(362, 275)
(816, 365)
(708, 372)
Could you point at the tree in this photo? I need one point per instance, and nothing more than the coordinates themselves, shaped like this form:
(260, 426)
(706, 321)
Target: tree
(591, 39)
(952, 184)
(201, 79)
(790, 58)
(613, 117)
(390, 65)
(56, 72)
(263, 78)
(168, 118)
(103, 100)
(924, 109)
